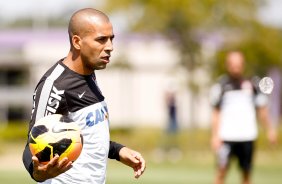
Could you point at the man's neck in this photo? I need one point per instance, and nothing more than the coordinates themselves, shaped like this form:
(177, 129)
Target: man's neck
(75, 64)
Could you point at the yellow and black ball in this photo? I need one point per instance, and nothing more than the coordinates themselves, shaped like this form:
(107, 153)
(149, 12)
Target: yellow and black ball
(55, 134)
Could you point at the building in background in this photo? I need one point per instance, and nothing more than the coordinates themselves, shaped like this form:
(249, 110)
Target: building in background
(134, 83)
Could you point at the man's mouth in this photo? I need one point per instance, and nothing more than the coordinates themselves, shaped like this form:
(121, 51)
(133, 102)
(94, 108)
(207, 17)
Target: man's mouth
(106, 59)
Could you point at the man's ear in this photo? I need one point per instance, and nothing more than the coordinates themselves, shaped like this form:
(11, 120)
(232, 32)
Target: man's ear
(76, 41)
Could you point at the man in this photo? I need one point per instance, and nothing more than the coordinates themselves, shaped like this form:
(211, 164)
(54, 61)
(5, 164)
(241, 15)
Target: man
(236, 101)
(70, 88)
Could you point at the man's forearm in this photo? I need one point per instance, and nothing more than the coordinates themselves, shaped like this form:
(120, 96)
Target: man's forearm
(215, 123)
(27, 160)
(114, 150)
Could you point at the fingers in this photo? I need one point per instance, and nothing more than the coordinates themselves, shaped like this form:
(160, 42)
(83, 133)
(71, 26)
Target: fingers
(65, 164)
(68, 166)
(143, 165)
(137, 173)
(36, 164)
(133, 159)
(35, 161)
(57, 166)
(53, 162)
(142, 162)
(140, 168)
(52, 169)
(272, 136)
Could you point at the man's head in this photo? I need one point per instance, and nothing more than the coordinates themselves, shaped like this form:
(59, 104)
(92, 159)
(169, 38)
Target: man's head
(235, 64)
(91, 34)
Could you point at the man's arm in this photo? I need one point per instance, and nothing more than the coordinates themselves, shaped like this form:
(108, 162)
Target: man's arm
(40, 172)
(216, 94)
(215, 140)
(27, 160)
(36, 170)
(50, 170)
(128, 157)
(264, 118)
(114, 150)
(134, 160)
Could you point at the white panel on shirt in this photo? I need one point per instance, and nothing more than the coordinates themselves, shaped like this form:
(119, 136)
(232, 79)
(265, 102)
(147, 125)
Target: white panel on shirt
(238, 117)
(91, 165)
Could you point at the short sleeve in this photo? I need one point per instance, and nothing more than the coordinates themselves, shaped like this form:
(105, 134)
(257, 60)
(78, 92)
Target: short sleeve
(215, 95)
(114, 150)
(261, 100)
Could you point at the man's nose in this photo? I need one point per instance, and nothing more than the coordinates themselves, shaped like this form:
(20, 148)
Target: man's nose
(109, 45)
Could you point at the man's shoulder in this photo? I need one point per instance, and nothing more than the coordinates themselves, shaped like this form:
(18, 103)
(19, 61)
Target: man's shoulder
(54, 75)
(222, 80)
(53, 69)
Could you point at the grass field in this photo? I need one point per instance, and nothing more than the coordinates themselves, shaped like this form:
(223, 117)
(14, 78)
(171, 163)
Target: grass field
(195, 166)
(189, 170)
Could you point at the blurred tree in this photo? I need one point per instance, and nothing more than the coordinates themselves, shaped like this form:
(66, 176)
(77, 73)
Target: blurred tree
(184, 21)
(261, 46)
(187, 23)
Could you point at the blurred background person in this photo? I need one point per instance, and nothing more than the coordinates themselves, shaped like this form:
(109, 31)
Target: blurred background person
(171, 105)
(235, 101)
(171, 146)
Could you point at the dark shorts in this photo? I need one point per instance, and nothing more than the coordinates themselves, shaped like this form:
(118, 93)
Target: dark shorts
(243, 151)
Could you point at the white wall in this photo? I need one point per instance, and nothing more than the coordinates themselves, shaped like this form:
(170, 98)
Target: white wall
(135, 96)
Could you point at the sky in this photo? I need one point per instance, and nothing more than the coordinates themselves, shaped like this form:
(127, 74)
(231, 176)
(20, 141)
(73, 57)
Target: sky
(13, 9)
(271, 14)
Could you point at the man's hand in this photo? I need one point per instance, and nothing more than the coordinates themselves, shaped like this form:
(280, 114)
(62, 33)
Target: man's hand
(133, 159)
(50, 170)
(272, 136)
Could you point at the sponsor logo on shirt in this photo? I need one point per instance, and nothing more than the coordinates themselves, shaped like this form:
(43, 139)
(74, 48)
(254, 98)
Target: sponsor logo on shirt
(33, 104)
(54, 101)
(96, 117)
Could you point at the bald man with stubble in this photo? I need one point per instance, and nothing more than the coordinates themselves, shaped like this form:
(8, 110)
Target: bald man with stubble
(73, 80)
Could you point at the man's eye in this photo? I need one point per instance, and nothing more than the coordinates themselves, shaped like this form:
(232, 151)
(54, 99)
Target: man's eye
(102, 39)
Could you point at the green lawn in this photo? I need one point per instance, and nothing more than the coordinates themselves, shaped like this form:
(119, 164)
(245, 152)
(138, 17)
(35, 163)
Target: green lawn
(196, 165)
(195, 170)
(14, 177)
(192, 169)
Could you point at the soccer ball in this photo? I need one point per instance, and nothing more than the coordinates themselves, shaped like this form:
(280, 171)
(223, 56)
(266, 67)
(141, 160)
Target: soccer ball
(55, 134)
